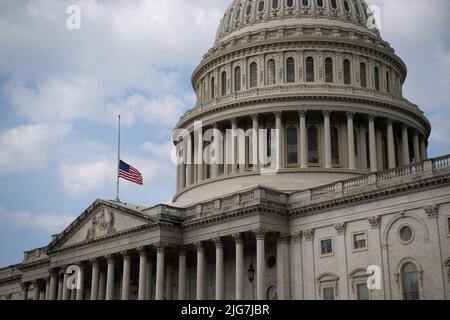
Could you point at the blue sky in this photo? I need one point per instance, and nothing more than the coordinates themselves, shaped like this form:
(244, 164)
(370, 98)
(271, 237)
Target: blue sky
(61, 92)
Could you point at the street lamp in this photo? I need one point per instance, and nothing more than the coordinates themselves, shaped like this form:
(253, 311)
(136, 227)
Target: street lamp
(251, 278)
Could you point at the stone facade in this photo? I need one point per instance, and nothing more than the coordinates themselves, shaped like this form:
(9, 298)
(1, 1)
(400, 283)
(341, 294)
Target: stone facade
(355, 190)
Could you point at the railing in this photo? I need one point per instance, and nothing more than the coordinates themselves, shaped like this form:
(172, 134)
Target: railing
(323, 191)
(356, 183)
(396, 173)
(441, 162)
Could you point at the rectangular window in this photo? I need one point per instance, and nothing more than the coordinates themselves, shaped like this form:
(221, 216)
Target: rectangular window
(362, 291)
(328, 293)
(326, 247)
(448, 226)
(359, 241)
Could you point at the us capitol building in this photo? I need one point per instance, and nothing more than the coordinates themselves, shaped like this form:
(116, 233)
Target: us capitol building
(355, 187)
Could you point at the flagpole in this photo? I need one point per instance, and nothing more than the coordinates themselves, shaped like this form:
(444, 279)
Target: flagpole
(118, 163)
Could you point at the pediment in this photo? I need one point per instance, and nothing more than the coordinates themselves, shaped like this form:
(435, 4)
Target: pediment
(101, 219)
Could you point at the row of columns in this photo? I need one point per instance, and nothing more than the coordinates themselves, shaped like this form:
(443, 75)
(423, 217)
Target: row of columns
(186, 172)
(57, 288)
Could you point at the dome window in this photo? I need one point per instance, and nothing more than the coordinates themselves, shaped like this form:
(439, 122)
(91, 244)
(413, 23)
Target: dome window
(328, 70)
(305, 3)
(261, 6)
(274, 4)
(320, 3)
(213, 88)
(289, 3)
(290, 70)
(376, 75)
(334, 4)
(346, 6)
(313, 145)
(388, 82)
(238, 14)
(249, 9)
(309, 69)
(253, 75)
(362, 71)
(237, 79)
(271, 77)
(347, 72)
(224, 83)
(292, 145)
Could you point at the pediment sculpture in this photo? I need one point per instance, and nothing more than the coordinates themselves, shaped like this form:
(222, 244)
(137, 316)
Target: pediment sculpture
(102, 224)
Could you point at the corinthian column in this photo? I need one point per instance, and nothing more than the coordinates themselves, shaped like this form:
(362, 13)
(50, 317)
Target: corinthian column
(351, 142)
(182, 275)
(36, 289)
(255, 139)
(391, 144)
(95, 277)
(220, 276)
(53, 284)
(24, 290)
(200, 271)
(260, 264)
(405, 144)
(65, 288)
(416, 147)
(160, 249)
(80, 283)
(234, 147)
(327, 139)
(372, 145)
(110, 278)
(303, 140)
(142, 272)
(239, 266)
(126, 275)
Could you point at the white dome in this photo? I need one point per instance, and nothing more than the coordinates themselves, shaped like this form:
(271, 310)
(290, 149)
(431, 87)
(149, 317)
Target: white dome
(249, 15)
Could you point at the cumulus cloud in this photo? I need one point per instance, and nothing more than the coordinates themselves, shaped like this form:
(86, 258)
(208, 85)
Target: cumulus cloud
(27, 148)
(49, 222)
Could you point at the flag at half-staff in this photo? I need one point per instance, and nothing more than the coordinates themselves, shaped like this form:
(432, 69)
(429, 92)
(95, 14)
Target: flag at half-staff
(130, 173)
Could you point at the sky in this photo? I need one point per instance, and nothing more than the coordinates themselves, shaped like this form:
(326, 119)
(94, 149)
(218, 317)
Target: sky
(61, 91)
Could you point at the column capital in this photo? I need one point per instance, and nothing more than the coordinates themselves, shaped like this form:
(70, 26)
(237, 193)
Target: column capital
(199, 245)
(375, 222)
(110, 258)
(94, 261)
(260, 233)
(255, 116)
(233, 120)
(277, 114)
(126, 254)
(340, 227)
(238, 238)
(405, 127)
(308, 234)
(24, 285)
(284, 237)
(297, 236)
(218, 242)
(143, 251)
(82, 266)
(302, 113)
(160, 246)
(372, 117)
(182, 251)
(326, 113)
(53, 271)
(432, 211)
(350, 115)
(390, 122)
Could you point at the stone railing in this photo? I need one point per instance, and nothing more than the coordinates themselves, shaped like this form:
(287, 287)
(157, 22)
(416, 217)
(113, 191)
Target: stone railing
(306, 88)
(164, 211)
(370, 182)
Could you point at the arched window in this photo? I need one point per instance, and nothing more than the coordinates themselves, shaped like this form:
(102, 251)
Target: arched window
(261, 6)
(290, 70)
(313, 145)
(362, 71)
(410, 282)
(237, 79)
(347, 72)
(358, 12)
(249, 9)
(289, 3)
(346, 6)
(292, 145)
(388, 82)
(334, 4)
(309, 69)
(253, 75)
(271, 72)
(329, 70)
(224, 83)
(376, 74)
(213, 88)
(274, 4)
(335, 145)
(305, 3)
(237, 16)
(320, 3)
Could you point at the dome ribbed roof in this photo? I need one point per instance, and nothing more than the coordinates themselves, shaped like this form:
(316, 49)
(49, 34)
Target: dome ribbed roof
(251, 15)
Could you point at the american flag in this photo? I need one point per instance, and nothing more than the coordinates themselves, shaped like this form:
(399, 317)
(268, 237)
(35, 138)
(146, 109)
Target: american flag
(129, 173)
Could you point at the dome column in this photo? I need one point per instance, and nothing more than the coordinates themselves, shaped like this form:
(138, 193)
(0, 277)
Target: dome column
(327, 139)
(423, 149)
(303, 140)
(351, 142)
(416, 147)
(372, 145)
(405, 144)
(255, 141)
(391, 144)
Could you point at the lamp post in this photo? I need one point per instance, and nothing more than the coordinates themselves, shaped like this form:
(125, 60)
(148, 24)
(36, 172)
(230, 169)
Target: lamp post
(251, 278)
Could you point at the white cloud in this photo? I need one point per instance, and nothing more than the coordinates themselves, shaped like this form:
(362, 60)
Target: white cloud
(49, 222)
(28, 148)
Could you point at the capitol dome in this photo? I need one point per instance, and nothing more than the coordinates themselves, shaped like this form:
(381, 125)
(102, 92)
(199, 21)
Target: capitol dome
(316, 71)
